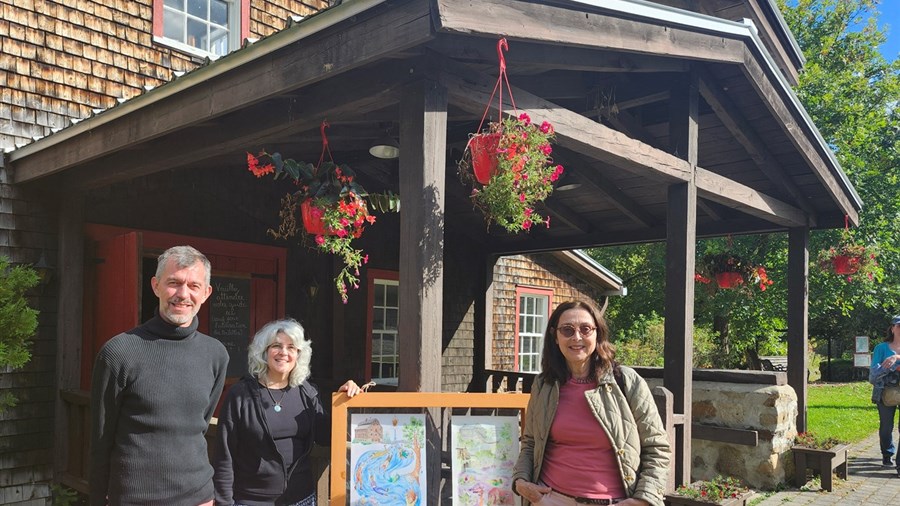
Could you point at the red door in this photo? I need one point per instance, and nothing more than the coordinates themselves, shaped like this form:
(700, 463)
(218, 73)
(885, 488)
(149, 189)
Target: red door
(248, 279)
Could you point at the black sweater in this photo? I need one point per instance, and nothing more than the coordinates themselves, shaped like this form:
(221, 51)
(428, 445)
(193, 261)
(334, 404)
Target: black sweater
(248, 466)
(153, 392)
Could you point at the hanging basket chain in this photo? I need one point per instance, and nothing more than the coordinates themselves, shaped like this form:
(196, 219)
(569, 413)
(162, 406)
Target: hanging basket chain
(502, 78)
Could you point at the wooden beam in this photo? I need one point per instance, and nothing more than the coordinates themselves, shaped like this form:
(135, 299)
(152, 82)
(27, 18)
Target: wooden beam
(558, 26)
(536, 57)
(423, 135)
(800, 133)
(563, 213)
(606, 190)
(250, 128)
(728, 435)
(729, 193)
(745, 134)
(679, 325)
(722, 376)
(471, 90)
(371, 37)
(798, 317)
(68, 317)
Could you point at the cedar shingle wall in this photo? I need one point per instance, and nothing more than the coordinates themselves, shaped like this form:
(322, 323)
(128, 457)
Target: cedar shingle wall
(59, 62)
(535, 271)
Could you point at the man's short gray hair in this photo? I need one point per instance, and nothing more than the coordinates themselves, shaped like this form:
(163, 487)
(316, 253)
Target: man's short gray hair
(184, 256)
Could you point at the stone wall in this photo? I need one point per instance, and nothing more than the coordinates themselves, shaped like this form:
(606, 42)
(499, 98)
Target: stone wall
(771, 410)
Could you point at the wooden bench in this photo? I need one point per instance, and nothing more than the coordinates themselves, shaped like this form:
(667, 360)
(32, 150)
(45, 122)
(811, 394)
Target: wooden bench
(774, 363)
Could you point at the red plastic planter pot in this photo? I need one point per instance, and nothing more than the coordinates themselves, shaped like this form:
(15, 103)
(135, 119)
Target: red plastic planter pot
(312, 219)
(483, 148)
(844, 264)
(729, 279)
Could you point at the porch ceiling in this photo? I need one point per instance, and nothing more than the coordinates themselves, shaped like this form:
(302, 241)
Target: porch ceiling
(602, 77)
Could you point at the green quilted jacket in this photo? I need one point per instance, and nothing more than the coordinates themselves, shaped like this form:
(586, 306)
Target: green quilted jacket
(631, 422)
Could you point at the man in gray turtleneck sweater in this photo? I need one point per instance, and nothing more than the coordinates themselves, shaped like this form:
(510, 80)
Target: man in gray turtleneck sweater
(153, 392)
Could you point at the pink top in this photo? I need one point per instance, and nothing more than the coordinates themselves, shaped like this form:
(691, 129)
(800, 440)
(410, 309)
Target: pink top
(579, 459)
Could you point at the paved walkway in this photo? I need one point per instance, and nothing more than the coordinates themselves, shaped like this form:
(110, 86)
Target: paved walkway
(868, 483)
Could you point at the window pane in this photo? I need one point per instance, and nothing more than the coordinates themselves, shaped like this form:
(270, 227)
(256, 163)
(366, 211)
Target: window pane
(378, 319)
(218, 12)
(196, 33)
(198, 8)
(390, 320)
(393, 297)
(175, 4)
(173, 26)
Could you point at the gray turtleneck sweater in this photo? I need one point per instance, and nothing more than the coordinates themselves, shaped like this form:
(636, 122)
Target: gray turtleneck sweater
(153, 392)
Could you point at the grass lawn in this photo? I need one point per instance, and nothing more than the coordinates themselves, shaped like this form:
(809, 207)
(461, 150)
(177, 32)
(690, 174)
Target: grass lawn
(842, 410)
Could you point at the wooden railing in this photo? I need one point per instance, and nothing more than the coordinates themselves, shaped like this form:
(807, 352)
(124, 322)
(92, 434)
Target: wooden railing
(78, 419)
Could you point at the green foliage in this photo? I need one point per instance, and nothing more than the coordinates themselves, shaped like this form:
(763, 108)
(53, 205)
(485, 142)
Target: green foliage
(810, 439)
(715, 490)
(65, 496)
(851, 93)
(18, 321)
(642, 344)
(842, 411)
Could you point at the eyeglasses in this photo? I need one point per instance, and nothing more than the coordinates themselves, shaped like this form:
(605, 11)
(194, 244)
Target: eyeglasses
(278, 347)
(569, 330)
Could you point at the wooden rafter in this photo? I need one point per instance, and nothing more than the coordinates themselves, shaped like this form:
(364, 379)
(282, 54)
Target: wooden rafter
(746, 135)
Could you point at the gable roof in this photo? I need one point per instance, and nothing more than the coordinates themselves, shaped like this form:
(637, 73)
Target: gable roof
(603, 74)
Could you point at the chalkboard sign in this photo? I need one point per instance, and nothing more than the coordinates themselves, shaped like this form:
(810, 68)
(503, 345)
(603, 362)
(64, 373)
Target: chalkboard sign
(229, 320)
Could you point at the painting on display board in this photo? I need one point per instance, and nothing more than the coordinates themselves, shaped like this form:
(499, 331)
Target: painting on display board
(387, 460)
(484, 451)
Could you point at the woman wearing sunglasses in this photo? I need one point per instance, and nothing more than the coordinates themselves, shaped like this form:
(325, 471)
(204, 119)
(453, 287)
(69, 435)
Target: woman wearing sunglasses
(592, 431)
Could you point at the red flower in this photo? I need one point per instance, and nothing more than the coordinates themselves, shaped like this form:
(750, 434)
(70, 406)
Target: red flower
(253, 166)
(525, 118)
(546, 127)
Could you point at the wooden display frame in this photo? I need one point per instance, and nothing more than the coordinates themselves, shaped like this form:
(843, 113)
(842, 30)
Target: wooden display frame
(340, 403)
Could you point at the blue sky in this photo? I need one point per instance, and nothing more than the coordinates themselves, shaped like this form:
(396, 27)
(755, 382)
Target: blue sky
(890, 14)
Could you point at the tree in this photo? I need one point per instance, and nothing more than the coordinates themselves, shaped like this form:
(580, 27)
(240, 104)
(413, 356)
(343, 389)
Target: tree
(18, 320)
(852, 94)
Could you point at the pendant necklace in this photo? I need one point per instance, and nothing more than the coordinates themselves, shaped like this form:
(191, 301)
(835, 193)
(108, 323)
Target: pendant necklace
(277, 406)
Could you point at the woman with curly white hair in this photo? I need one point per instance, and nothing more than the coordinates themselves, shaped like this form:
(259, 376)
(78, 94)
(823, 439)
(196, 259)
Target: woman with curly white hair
(269, 422)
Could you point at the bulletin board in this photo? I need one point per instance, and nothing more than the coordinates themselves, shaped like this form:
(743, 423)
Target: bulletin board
(389, 425)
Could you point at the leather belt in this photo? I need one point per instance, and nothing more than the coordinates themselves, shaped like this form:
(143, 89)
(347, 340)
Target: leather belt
(588, 500)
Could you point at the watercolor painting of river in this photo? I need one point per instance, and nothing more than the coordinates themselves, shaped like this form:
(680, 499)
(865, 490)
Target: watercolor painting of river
(387, 460)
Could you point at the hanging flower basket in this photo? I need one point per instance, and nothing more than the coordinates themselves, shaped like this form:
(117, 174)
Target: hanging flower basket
(851, 261)
(509, 165)
(331, 204)
(731, 271)
(483, 148)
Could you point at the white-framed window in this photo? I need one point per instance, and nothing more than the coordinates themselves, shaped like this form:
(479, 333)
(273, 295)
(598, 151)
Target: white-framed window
(385, 314)
(202, 27)
(533, 310)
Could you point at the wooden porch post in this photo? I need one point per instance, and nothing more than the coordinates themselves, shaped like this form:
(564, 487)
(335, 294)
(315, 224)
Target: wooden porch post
(423, 139)
(798, 317)
(681, 237)
(68, 318)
